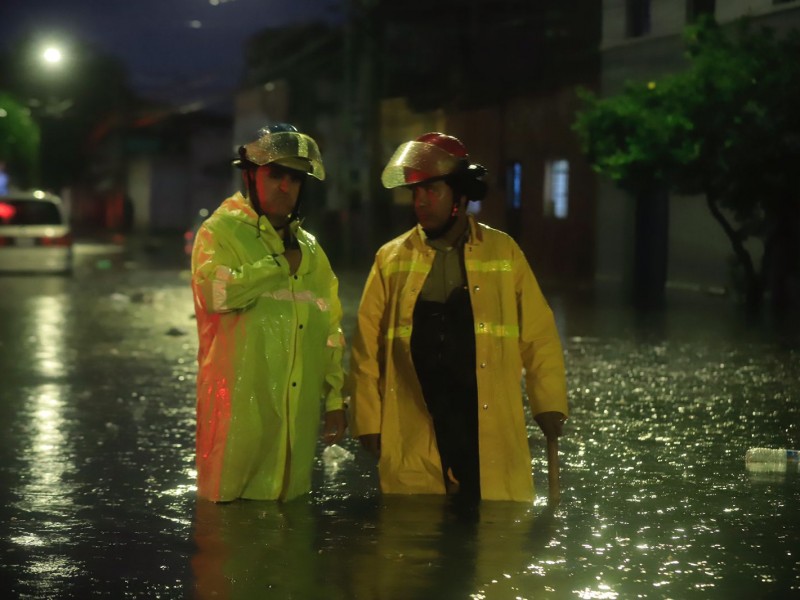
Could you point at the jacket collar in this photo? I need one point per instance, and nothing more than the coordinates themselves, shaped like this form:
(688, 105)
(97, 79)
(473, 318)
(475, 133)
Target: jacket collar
(417, 235)
(475, 231)
(239, 208)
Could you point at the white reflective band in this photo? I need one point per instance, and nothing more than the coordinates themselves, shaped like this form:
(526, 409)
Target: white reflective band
(306, 296)
(336, 340)
(219, 288)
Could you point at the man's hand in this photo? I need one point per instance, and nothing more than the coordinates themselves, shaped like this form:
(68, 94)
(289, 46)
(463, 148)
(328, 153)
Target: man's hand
(371, 442)
(333, 427)
(551, 423)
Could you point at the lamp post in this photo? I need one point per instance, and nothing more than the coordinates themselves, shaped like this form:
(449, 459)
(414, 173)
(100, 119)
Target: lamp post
(52, 56)
(53, 62)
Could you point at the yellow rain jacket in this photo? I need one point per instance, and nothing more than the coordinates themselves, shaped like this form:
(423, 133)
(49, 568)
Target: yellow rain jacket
(270, 351)
(514, 330)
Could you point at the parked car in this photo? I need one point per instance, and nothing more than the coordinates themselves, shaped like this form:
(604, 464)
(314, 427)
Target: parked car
(35, 235)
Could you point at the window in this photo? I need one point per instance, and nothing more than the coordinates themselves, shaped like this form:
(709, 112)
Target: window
(556, 189)
(696, 8)
(638, 17)
(514, 185)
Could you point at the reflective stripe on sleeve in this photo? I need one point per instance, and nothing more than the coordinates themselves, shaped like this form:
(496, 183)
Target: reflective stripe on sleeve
(405, 266)
(488, 266)
(398, 332)
(497, 330)
(335, 340)
(493, 329)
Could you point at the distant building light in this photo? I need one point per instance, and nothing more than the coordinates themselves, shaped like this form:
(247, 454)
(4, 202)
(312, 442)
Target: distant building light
(195, 24)
(556, 189)
(191, 107)
(514, 185)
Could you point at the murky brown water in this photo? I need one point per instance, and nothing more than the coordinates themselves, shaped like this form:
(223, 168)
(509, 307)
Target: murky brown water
(96, 466)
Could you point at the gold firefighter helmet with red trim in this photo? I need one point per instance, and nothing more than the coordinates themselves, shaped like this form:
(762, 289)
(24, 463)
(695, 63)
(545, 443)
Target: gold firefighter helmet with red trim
(431, 156)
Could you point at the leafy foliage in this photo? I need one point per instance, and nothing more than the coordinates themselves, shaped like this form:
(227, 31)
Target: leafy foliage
(727, 128)
(19, 141)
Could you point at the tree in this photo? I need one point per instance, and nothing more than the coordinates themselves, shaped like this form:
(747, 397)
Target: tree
(19, 142)
(726, 128)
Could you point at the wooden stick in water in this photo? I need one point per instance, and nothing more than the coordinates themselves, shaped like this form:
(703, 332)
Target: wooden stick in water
(553, 471)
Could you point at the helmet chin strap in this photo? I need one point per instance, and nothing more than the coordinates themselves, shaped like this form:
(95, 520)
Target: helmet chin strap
(252, 196)
(435, 234)
(252, 192)
(293, 216)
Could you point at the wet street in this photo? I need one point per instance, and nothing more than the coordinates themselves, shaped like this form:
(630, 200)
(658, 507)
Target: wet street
(97, 475)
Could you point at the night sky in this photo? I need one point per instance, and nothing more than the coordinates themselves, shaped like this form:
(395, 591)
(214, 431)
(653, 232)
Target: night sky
(179, 51)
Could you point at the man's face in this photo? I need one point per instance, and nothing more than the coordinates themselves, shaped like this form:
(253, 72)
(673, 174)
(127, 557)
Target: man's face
(278, 188)
(433, 204)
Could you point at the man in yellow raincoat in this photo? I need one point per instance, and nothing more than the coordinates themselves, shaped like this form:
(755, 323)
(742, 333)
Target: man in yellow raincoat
(450, 320)
(268, 321)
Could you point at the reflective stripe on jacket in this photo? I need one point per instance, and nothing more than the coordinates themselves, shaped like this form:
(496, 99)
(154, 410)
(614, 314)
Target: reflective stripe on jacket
(514, 330)
(270, 347)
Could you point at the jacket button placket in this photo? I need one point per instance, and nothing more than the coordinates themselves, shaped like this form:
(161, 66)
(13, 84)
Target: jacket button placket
(297, 364)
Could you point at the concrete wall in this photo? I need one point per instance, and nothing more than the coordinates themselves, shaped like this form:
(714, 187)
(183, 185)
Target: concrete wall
(168, 190)
(170, 201)
(139, 191)
(209, 160)
(669, 17)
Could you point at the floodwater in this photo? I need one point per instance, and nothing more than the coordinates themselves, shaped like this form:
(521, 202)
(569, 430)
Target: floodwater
(97, 475)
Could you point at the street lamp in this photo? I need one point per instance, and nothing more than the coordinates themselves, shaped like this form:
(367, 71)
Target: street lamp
(52, 58)
(52, 55)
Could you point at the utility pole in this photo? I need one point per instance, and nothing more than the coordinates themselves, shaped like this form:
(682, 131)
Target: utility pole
(364, 226)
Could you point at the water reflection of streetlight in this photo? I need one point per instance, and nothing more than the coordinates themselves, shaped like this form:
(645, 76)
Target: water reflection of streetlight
(50, 464)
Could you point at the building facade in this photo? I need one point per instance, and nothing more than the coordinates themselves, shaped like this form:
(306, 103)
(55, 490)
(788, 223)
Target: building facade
(642, 41)
(499, 74)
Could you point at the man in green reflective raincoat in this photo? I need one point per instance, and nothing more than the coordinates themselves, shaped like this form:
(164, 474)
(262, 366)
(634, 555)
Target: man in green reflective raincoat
(268, 321)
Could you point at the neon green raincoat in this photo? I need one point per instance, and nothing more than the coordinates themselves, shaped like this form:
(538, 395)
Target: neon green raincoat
(514, 330)
(270, 352)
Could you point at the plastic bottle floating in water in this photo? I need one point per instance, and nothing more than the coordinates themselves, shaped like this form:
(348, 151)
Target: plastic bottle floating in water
(771, 459)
